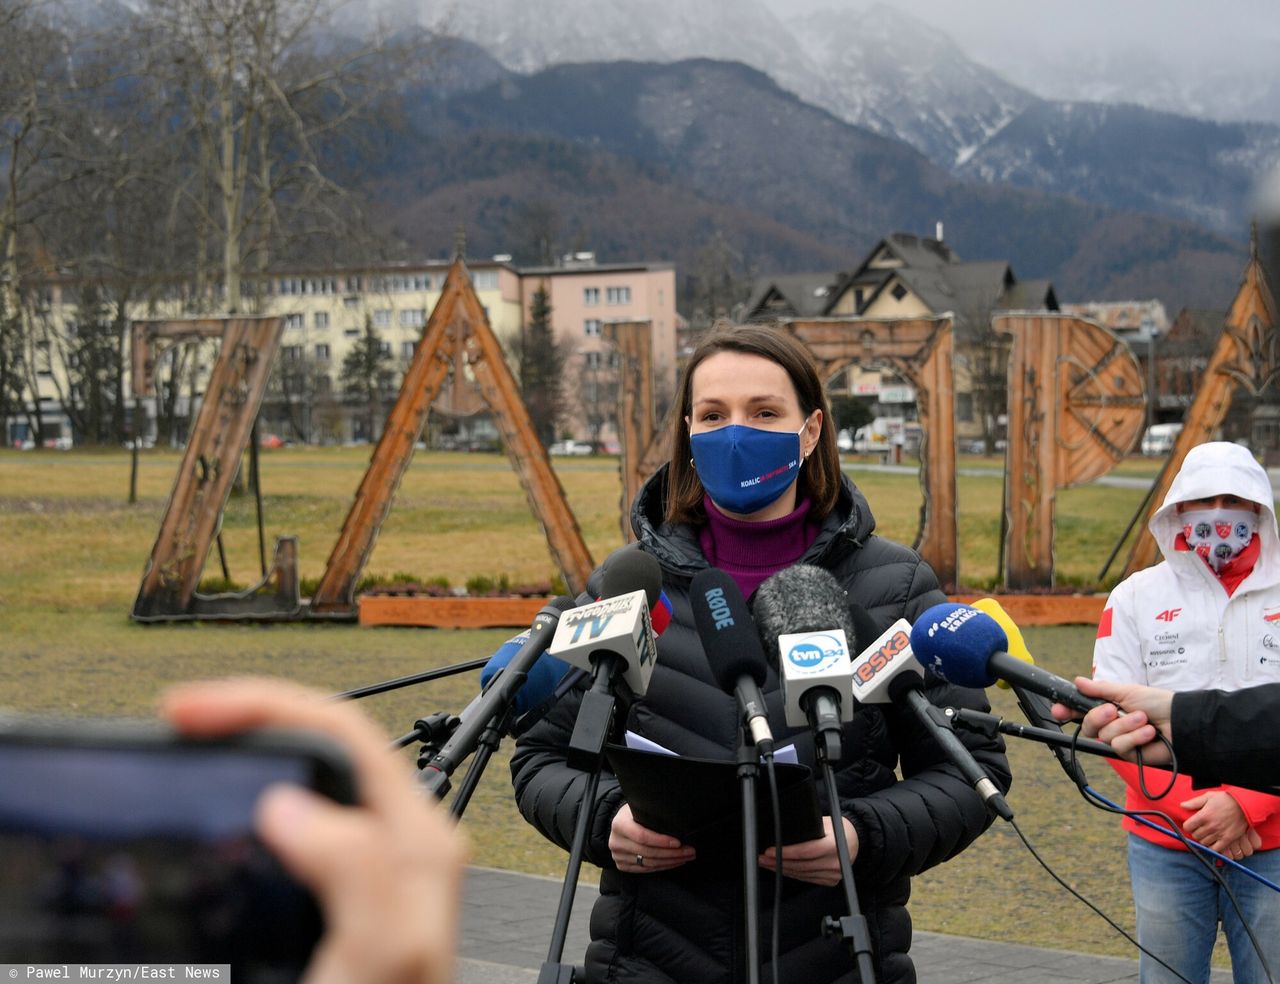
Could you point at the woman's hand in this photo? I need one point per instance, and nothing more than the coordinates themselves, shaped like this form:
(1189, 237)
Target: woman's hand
(640, 850)
(814, 861)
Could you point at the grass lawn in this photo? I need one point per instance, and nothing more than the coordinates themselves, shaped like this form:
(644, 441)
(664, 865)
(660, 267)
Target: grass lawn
(72, 552)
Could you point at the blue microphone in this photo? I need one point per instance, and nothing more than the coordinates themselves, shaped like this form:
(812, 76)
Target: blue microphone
(967, 647)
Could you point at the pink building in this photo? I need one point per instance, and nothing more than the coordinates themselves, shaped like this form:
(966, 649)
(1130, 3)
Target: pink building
(585, 295)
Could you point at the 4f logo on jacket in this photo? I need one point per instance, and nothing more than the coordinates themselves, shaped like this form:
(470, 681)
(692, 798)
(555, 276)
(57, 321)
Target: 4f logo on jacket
(1168, 615)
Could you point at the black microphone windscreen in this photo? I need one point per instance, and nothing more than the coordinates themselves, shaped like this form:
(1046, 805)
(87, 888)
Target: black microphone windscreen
(726, 629)
(631, 569)
(801, 598)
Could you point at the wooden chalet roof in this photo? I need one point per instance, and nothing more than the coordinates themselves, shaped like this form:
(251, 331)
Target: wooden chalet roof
(791, 295)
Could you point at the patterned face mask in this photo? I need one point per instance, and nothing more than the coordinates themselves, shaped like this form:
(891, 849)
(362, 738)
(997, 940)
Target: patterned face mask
(1218, 535)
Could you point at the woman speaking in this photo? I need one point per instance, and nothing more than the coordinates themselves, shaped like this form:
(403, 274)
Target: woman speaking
(754, 486)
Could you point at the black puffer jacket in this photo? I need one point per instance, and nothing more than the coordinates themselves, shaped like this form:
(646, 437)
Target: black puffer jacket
(686, 925)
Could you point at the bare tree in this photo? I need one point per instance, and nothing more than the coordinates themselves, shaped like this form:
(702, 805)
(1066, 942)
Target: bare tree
(265, 90)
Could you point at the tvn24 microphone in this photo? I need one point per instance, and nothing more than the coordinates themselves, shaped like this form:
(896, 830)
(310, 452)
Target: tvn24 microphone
(733, 648)
(802, 615)
(619, 626)
(968, 648)
(887, 672)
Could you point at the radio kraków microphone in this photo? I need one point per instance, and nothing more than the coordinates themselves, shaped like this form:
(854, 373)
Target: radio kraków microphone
(887, 671)
(495, 700)
(968, 648)
(729, 638)
(801, 613)
(1036, 708)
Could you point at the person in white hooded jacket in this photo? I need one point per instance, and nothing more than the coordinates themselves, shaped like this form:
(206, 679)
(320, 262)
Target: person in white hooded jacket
(1206, 618)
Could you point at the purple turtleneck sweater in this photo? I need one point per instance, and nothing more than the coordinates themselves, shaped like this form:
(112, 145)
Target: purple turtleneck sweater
(751, 552)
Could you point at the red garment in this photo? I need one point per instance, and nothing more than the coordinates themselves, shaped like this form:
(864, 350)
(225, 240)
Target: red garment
(1261, 810)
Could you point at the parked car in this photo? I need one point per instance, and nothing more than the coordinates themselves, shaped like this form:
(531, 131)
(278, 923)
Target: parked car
(570, 448)
(1159, 439)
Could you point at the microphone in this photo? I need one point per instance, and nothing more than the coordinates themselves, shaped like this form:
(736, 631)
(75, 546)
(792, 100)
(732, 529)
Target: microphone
(803, 622)
(887, 671)
(968, 648)
(495, 700)
(733, 648)
(619, 625)
(545, 676)
(1037, 709)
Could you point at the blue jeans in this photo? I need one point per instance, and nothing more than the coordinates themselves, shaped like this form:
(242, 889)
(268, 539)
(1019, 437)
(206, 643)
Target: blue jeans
(1179, 906)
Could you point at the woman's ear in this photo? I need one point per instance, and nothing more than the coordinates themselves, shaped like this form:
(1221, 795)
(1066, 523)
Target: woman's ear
(812, 431)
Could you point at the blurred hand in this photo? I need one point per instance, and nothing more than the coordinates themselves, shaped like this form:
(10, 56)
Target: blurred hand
(815, 861)
(640, 850)
(387, 873)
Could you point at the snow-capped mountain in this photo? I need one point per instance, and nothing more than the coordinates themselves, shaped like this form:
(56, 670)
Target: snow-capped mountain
(1131, 157)
(1236, 83)
(888, 71)
(880, 68)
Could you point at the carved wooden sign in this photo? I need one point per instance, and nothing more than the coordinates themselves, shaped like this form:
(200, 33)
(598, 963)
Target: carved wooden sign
(1076, 405)
(919, 350)
(1248, 355)
(457, 343)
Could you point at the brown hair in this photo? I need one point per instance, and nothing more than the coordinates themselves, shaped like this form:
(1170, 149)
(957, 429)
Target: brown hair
(819, 479)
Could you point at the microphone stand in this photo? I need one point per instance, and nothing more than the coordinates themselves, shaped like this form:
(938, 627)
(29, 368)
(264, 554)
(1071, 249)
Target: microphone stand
(748, 769)
(853, 927)
(408, 681)
(586, 753)
(990, 724)
(489, 710)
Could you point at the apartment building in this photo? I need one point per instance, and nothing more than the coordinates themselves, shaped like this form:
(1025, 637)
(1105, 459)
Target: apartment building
(327, 313)
(584, 296)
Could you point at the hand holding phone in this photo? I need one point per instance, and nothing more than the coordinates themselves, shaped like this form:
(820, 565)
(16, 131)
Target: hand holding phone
(387, 873)
(125, 842)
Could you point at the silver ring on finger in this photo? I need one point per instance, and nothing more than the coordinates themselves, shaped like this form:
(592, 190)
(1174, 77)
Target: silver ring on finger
(640, 860)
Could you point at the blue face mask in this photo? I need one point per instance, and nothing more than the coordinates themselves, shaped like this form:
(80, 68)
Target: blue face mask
(744, 469)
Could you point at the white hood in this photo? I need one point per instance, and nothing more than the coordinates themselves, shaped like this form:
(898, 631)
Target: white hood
(1219, 468)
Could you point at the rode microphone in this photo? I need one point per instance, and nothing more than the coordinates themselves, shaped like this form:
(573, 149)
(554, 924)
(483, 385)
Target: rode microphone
(733, 648)
(802, 617)
(887, 671)
(495, 701)
(1037, 709)
(967, 647)
(618, 626)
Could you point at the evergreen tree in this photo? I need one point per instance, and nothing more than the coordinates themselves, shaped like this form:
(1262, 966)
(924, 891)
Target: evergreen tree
(367, 380)
(542, 369)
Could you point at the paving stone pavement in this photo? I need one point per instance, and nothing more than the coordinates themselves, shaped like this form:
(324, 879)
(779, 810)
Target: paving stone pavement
(507, 920)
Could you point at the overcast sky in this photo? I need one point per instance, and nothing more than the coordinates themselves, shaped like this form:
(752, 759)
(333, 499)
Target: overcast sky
(987, 24)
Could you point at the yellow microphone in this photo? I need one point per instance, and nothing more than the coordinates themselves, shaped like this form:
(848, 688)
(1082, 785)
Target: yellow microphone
(1017, 645)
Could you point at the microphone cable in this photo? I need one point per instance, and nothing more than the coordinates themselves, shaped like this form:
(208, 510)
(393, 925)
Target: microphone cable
(1170, 829)
(1075, 894)
(1098, 912)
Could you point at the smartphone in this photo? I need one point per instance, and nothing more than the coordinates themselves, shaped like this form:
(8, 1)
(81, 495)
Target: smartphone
(123, 842)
